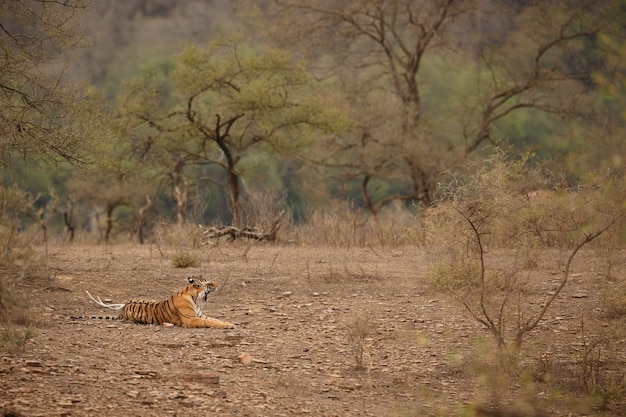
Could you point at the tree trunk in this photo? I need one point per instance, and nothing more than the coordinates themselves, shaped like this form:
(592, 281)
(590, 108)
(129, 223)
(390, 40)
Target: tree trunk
(233, 188)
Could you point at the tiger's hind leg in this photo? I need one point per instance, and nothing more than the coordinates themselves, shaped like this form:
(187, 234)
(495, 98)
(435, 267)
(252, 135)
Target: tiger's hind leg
(206, 322)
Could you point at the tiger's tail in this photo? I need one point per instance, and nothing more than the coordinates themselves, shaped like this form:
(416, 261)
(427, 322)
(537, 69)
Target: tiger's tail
(103, 304)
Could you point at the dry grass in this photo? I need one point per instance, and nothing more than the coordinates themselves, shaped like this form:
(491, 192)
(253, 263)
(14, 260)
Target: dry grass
(341, 224)
(358, 327)
(614, 301)
(185, 260)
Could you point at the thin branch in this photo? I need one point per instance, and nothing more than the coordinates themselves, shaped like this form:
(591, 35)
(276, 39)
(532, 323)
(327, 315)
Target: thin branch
(533, 322)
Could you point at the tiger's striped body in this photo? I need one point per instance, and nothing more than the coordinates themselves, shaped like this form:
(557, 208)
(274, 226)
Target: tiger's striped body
(180, 309)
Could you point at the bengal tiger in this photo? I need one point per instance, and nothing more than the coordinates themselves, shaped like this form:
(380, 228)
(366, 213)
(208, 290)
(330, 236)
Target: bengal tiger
(180, 309)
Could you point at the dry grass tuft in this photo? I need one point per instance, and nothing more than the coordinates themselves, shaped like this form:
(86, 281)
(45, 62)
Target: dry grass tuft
(358, 327)
(614, 301)
(185, 260)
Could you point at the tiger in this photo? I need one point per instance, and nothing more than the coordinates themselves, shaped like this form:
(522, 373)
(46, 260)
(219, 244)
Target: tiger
(180, 309)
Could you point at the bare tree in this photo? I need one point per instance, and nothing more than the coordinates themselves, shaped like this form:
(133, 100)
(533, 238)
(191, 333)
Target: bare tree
(377, 50)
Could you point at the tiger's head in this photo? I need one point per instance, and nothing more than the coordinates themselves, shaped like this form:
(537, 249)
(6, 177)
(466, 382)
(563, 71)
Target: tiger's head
(200, 287)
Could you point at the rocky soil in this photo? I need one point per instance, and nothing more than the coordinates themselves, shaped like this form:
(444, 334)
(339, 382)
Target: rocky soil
(300, 312)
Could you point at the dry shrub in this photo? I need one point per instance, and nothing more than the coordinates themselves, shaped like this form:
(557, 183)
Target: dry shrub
(464, 278)
(613, 301)
(185, 260)
(168, 235)
(18, 260)
(338, 224)
(594, 378)
(16, 325)
(455, 277)
(395, 226)
(502, 386)
(487, 210)
(601, 374)
(262, 207)
(14, 339)
(343, 224)
(358, 327)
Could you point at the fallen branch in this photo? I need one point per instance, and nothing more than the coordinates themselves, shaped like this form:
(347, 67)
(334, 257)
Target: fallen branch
(217, 232)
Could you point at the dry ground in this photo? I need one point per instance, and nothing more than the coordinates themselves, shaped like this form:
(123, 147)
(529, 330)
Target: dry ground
(294, 308)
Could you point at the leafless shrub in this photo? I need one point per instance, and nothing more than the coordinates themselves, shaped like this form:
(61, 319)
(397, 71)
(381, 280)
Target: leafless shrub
(343, 224)
(485, 210)
(261, 207)
(357, 329)
(17, 327)
(18, 259)
(339, 224)
(167, 234)
(596, 375)
(600, 373)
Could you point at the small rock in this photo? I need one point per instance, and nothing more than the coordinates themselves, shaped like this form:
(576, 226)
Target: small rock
(579, 295)
(245, 358)
(202, 378)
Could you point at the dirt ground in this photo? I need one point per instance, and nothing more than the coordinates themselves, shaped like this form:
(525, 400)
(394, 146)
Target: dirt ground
(295, 308)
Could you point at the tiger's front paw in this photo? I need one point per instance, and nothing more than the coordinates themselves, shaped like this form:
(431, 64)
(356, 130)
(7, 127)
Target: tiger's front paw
(229, 326)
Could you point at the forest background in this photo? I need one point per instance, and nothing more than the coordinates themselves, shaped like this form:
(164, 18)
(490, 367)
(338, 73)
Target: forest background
(120, 115)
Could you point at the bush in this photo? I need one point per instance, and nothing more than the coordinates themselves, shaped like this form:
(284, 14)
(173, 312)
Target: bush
(14, 339)
(185, 260)
(455, 277)
(490, 209)
(358, 327)
(342, 224)
(614, 301)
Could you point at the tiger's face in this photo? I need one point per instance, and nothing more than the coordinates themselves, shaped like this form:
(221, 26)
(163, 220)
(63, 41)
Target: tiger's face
(202, 287)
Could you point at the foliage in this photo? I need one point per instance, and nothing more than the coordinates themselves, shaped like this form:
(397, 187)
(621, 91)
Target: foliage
(230, 105)
(393, 61)
(37, 113)
(36, 106)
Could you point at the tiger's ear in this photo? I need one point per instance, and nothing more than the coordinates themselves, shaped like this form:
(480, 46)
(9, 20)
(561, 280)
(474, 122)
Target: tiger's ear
(190, 279)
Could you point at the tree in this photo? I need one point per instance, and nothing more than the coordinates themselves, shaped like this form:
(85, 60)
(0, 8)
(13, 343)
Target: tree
(36, 108)
(228, 102)
(514, 54)
(36, 37)
(116, 179)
